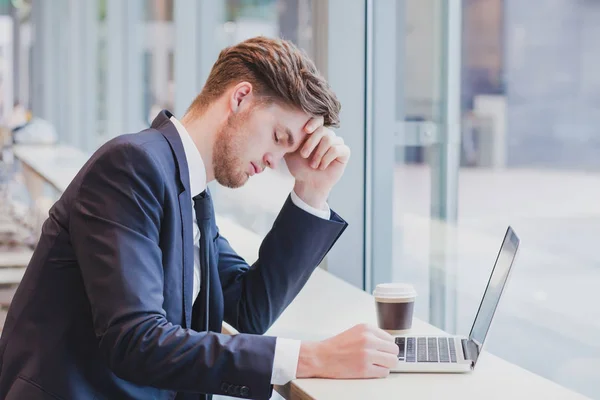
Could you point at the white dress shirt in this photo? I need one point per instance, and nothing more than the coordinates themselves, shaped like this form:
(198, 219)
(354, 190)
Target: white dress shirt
(287, 351)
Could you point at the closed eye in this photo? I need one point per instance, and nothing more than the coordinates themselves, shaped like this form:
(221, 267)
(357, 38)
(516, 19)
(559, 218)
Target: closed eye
(275, 138)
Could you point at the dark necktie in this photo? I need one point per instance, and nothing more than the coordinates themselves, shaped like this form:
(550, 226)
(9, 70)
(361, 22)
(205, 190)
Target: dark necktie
(203, 209)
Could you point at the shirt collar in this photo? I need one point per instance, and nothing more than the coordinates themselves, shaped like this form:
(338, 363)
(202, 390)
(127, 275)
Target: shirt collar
(194, 159)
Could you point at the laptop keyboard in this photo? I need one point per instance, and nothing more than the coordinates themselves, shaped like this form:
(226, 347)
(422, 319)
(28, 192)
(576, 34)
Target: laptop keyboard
(426, 349)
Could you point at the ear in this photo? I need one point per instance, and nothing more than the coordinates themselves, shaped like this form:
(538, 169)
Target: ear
(242, 92)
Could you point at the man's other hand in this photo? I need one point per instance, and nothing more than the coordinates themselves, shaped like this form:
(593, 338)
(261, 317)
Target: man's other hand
(362, 351)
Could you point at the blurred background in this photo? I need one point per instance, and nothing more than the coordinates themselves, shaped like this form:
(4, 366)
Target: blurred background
(463, 117)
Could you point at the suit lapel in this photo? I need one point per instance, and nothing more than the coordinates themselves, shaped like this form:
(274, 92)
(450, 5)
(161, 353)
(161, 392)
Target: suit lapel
(163, 124)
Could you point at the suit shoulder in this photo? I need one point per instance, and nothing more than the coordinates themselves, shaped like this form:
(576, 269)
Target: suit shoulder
(140, 150)
(150, 140)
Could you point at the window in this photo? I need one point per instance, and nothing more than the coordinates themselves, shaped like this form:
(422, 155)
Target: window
(159, 47)
(463, 117)
(518, 146)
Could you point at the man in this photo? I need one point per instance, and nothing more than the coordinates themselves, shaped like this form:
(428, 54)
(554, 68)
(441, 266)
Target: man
(127, 290)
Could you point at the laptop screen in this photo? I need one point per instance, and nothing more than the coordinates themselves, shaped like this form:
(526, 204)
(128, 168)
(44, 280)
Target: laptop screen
(495, 286)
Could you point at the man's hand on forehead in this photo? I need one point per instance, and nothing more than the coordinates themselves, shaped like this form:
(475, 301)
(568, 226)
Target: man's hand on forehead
(322, 145)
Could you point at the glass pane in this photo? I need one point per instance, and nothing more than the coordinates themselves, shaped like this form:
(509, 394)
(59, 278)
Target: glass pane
(102, 68)
(22, 67)
(158, 48)
(530, 145)
(527, 156)
(256, 205)
(419, 104)
(158, 10)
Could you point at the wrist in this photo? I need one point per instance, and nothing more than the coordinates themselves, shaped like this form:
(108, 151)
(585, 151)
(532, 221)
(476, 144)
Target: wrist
(312, 195)
(309, 364)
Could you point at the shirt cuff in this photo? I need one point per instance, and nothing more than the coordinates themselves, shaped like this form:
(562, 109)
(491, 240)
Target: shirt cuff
(285, 364)
(325, 214)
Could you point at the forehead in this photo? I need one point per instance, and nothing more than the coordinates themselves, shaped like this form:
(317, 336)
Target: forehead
(288, 120)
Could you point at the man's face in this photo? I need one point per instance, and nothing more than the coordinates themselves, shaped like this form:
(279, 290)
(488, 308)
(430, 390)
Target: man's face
(255, 138)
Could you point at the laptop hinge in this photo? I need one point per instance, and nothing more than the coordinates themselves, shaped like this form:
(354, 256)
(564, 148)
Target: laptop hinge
(470, 350)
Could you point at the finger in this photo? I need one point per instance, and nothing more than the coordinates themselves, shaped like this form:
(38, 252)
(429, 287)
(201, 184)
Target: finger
(376, 371)
(331, 155)
(385, 360)
(380, 333)
(324, 145)
(337, 152)
(313, 124)
(387, 347)
(312, 142)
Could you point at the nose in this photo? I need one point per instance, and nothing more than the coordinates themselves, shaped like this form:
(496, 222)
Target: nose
(269, 161)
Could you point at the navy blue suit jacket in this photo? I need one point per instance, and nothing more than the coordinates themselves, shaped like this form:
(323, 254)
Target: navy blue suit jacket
(104, 310)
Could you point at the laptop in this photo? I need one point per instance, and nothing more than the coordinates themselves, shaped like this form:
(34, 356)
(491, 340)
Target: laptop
(456, 353)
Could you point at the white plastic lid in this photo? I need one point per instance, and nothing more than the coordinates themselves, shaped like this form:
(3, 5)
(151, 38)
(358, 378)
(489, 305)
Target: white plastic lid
(395, 290)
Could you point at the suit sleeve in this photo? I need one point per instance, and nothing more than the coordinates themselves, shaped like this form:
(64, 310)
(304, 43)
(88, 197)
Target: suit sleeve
(115, 231)
(255, 296)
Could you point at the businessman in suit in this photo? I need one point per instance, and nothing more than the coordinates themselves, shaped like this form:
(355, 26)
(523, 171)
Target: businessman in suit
(126, 292)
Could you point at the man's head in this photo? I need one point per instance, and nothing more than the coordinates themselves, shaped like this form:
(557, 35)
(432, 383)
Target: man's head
(270, 90)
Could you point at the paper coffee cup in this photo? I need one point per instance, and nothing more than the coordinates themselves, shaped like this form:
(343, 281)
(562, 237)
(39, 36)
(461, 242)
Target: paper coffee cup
(395, 306)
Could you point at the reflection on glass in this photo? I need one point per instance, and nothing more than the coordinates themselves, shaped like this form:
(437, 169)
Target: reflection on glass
(289, 19)
(158, 48)
(101, 113)
(529, 158)
(158, 10)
